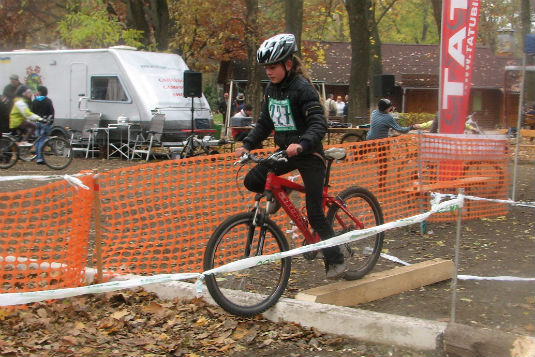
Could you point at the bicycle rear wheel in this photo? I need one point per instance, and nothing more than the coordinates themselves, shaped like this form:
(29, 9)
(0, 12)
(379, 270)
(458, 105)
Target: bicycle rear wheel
(351, 138)
(9, 152)
(57, 153)
(361, 255)
(252, 290)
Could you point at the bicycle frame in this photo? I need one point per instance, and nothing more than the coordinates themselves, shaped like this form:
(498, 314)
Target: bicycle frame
(276, 185)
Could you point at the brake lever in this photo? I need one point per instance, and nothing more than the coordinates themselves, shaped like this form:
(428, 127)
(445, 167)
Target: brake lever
(243, 159)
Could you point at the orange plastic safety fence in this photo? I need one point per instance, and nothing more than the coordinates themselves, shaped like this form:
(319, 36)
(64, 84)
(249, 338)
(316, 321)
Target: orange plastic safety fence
(43, 240)
(477, 164)
(157, 218)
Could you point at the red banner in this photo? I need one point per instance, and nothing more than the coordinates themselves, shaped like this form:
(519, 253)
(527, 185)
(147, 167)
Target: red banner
(458, 40)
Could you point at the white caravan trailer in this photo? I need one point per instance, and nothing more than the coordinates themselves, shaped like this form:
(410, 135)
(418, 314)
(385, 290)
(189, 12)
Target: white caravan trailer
(119, 82)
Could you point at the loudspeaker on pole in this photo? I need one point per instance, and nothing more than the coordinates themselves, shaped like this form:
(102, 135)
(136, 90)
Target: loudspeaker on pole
(383, 85)
(192, 84)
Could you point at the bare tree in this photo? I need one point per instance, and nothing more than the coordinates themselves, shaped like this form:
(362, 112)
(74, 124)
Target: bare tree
(357, 11)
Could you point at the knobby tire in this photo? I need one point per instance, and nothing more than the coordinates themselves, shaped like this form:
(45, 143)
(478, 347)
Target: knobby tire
(361, 255)
(57, 153)
(252, 290)
(9, 152)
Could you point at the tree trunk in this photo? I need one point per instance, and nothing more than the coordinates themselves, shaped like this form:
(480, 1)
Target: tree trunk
(437, 13)
(294, 20)
(525, 16)
(254, 75)
(159, 15)
(357, 11)
(135, 18)
(376, 62)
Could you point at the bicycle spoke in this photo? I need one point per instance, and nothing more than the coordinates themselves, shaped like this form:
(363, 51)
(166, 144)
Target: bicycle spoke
(361, 255)
(8, 152)
(252, 290)
(57, 153)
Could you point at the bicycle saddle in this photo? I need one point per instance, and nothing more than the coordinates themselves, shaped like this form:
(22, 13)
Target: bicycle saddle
(335, 153)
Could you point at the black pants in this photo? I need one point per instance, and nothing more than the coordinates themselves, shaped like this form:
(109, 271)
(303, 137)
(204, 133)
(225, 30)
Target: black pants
(312, 170)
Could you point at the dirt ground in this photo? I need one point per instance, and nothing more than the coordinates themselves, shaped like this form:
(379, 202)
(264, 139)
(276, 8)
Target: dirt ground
(499, 246)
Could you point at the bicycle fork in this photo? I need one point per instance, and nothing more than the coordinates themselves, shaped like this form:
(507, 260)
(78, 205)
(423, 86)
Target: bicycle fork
(258, 221)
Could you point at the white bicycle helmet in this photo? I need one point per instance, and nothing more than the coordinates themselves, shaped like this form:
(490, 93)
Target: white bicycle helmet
(276, 49)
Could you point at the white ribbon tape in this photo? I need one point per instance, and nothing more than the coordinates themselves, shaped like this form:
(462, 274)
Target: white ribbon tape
(499, 278)
(475, 198)
(71, 179)
(34, 296)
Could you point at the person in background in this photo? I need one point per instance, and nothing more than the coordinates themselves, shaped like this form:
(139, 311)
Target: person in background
(340, 104)
(380, 122)
(10, 89)
(330, 105)
(346, 107)
(238, 104)
(291, 107)
(42, 106)
(240, 133)
(222, 106)
(21, 116)
(432, 125)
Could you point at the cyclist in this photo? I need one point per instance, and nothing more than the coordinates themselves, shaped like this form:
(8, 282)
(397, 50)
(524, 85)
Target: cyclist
(292, 108)
(21, 116)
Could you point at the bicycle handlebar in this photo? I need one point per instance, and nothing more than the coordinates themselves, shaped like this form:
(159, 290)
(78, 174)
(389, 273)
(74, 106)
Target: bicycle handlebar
(278, 156)
(46, 120)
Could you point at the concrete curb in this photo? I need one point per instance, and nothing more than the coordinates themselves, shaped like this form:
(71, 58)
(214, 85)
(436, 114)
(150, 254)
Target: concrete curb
(367, 326)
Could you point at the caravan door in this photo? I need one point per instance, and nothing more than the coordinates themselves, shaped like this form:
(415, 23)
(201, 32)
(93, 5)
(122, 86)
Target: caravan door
(78, 90)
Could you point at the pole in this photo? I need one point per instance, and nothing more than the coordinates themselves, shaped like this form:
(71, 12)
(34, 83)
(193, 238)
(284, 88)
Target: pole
(456, 259)
(518, 123)
(229, 109)
(98, 231)
(192, 119)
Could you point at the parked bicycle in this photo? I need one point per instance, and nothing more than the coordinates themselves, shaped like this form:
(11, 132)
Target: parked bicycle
(196, 145)
(56, 151)
(254, 233)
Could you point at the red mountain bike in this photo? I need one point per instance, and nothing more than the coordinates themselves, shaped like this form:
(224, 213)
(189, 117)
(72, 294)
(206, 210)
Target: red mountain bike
(254, 233)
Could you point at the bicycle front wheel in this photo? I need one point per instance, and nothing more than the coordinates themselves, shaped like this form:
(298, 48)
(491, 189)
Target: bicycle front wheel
(57, 153)
(9, 152)
(249, 291)
(362, 254)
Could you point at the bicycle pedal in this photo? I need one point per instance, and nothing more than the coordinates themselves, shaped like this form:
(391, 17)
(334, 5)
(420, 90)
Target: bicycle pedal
(28, 158)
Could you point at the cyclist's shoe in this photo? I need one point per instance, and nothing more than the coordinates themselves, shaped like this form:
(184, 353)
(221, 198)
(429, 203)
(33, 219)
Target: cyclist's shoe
(40, 162)
(336, 271)
(24, 143)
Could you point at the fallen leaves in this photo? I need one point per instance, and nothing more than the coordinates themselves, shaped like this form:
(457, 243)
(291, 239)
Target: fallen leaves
(137, 323)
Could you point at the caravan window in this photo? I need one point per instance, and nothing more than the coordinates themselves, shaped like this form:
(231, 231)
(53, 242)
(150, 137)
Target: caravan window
(107, 88)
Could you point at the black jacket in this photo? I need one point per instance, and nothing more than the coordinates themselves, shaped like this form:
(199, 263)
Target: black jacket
(305, 123)
(43, 107)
